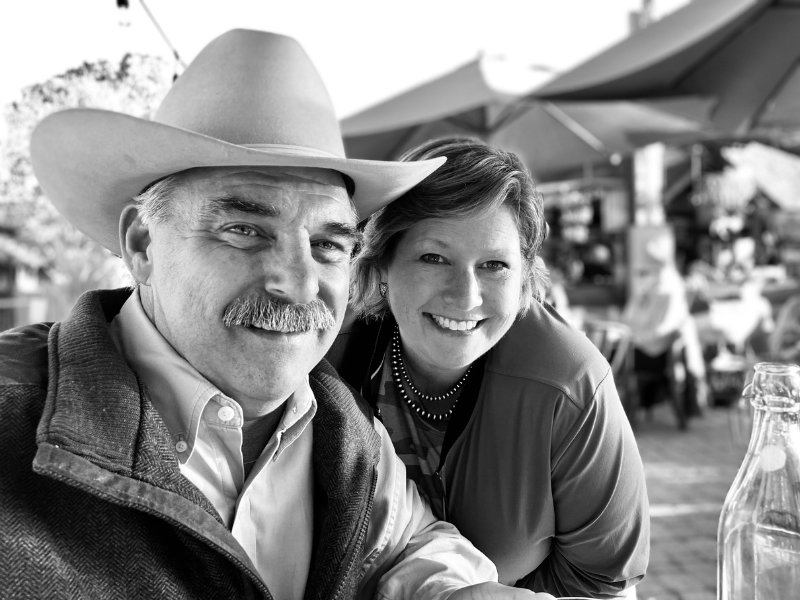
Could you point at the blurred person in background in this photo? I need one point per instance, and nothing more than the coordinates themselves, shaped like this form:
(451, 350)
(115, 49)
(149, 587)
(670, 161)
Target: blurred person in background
(506, 417)
(185, 439)
(657, 311)
(598, 265)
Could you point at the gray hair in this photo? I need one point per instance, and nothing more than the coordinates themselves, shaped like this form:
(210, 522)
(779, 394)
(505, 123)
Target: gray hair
(475, 180)
(154, 203)
(274, 314)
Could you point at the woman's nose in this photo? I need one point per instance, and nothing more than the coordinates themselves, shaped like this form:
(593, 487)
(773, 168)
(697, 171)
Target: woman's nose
(463, 291)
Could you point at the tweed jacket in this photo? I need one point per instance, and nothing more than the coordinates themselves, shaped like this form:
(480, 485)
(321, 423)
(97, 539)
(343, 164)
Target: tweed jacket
(93, 503)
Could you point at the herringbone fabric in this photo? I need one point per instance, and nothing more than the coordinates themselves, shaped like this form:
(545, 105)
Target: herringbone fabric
(60, 541)
(92, 501)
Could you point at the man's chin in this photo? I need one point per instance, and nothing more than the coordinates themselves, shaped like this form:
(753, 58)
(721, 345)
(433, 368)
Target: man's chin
(263, 389)
(270, 364)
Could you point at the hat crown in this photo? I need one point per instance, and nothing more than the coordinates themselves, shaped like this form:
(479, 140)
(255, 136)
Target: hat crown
(253, 87)
(250, 98)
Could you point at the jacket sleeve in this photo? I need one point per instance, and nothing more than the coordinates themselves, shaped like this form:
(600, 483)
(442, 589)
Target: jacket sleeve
(602, 538)
(408, 553)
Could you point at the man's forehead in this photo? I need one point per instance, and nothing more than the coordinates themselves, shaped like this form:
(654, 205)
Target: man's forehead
(268, 180)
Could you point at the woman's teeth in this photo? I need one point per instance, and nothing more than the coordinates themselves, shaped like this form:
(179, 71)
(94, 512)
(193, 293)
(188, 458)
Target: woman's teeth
(454, 325)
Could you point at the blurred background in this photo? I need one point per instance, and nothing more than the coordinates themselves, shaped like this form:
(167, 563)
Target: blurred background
(664, 136)
(123, 55)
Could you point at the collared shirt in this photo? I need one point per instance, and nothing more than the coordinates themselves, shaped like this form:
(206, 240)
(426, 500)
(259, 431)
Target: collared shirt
(271, 512)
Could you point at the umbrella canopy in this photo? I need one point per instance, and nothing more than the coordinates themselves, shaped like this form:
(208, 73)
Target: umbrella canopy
(550, 137)
(741, 54)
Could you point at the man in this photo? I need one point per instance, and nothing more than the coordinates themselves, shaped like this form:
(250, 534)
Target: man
(181, 440)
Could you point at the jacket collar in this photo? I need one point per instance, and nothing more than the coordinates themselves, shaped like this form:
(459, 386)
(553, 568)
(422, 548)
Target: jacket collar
(97, 407)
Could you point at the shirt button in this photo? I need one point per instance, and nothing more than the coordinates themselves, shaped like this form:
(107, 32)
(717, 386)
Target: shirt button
(225, 413)
(181, 446)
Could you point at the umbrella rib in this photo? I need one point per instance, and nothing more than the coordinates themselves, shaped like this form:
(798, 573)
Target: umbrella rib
(776, 89)
(513, 111)
(713, 51)
(579, 130)
(466, 125)
(392, 154)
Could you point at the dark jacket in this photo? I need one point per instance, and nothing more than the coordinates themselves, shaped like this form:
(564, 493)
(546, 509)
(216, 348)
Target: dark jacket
(539, 465)
(92, 500)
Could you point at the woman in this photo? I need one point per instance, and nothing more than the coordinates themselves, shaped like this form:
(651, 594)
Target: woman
(506, 417)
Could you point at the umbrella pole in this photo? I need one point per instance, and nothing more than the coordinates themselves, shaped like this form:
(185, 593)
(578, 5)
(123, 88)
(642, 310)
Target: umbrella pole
(588, 170)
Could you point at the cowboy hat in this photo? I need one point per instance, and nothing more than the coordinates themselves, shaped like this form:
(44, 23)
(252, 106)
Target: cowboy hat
(249, 98)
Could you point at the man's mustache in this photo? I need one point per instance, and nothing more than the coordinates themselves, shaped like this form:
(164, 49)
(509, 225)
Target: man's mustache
(273, 314)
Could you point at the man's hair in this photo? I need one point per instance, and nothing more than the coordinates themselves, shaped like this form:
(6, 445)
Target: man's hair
(154, 203)
(475, 180)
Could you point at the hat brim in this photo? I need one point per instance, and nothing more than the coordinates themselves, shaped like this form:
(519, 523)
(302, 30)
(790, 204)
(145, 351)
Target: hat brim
(91, 162)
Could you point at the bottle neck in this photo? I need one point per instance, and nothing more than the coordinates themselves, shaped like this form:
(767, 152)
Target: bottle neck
(776, 423)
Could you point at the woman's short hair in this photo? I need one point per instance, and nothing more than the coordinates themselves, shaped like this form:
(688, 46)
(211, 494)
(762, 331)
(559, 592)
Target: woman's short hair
(475, 180)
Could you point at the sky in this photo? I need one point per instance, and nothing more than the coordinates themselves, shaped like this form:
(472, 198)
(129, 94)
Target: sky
(365, 50)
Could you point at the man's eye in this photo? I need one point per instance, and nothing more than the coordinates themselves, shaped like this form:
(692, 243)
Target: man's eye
(245, 230)
(332, 248)
(432, 258)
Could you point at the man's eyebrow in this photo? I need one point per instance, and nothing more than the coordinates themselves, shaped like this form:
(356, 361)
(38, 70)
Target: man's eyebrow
(231, 203)
(343, 229)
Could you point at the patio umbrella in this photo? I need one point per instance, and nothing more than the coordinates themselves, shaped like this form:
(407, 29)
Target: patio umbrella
(551, 137)
(740, 55)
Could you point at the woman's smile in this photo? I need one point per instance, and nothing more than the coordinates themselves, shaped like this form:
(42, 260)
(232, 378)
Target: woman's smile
(455, 324)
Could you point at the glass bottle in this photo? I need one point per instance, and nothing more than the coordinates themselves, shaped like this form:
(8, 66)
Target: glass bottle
(758, 541)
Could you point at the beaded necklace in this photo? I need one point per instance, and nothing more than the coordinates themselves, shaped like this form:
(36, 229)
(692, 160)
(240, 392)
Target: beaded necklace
(400, 374)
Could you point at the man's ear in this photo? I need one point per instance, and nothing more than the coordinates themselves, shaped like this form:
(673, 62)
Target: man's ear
(134, 241)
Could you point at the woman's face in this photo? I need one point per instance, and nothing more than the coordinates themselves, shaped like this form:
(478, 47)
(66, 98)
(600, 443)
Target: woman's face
(454, 286)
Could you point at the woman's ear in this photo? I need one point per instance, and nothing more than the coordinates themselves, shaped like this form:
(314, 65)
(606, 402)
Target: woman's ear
(134, 241)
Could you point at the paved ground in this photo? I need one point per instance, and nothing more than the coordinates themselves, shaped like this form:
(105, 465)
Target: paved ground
(688, 475)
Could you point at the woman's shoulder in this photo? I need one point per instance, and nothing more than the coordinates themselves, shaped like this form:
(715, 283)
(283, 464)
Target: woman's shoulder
(542, 347)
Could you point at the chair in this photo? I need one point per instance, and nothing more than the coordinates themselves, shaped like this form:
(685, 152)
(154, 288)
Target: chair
(675, 376)
(677, 381)
(615, 342)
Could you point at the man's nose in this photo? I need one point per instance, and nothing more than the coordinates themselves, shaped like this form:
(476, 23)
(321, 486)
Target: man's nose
(291, 274)
(463, 290)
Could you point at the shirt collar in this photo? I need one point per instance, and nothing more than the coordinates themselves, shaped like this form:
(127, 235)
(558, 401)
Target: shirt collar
(178, 391)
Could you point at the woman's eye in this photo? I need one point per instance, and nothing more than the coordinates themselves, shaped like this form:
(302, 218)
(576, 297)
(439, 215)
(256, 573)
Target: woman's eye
(495, 265)
(432, 258)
